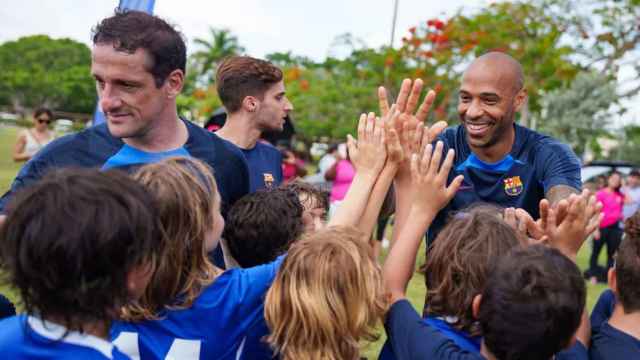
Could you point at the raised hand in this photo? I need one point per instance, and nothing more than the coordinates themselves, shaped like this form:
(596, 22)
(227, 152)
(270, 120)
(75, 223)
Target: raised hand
(430, 179)
(583, 215)
(523, 223)
(368, 153)
(407, 123)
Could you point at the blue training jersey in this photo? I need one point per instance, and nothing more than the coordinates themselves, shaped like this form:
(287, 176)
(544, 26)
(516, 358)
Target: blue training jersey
(607, 342)
(410, 337)
(265, 166)
(23, 337)
(521, 179)
(214, 327)
(95, 147)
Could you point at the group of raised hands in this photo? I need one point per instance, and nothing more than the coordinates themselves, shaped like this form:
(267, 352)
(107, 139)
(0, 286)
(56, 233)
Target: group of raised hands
(398, 147)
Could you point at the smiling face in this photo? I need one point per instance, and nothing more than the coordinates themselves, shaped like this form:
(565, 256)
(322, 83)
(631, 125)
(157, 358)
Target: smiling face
(127, 91)
(490, 94)
(273, 108)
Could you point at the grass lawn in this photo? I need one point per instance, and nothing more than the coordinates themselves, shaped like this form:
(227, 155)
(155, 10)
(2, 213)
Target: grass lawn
(416, 291)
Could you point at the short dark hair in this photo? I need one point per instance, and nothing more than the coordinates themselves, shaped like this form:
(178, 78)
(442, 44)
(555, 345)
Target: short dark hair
(241, 76)
(261, 226)
(628, 265)
(69, 242)
(43, 110)
(635, 172)
(129, 31)
(532, 304)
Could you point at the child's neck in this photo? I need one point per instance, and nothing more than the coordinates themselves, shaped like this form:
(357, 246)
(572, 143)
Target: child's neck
(627, 323)
(97, 328)
(485, 352)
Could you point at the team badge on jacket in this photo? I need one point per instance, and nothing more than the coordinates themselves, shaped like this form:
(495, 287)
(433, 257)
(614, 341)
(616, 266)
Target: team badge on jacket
(513, 186)
(268, 180)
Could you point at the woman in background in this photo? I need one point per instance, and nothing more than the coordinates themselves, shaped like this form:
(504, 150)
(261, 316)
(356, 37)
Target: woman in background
(30, 141)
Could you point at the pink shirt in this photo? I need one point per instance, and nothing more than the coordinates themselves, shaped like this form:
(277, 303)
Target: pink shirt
(344, 175)
(612, 203)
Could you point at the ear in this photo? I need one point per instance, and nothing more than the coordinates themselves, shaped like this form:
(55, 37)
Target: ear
(520, 99)
(612, 279)
(475, 306)
(250, 104)
(174, 83)
(138, 279)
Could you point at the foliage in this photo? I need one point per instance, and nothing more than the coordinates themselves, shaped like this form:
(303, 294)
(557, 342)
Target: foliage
(630, 144)
(605, 36)
(580, 113)
(441, 49)
(199, 97)
(37, 70)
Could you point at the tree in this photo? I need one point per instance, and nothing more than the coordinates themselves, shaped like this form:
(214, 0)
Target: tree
(222, 43)
(606, 35)
(442, 49)
(37, 70)
(579, 114)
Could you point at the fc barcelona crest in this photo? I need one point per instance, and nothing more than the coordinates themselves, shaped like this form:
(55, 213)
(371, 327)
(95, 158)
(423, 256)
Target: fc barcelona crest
(513, 186)
(268, 180)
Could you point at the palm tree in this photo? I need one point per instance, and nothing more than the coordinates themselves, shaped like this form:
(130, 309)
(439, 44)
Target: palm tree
(221, 43)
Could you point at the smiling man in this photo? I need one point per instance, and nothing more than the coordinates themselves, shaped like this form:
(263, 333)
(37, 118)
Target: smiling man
(252, 91)
(502, 162)
(138, 62)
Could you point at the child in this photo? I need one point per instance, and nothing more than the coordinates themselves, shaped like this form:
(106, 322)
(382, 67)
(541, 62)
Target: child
(77, 245)
(326, 298)
(191, 310)
(315, 203)
(616, 334)
(261, 226)
(533, 299)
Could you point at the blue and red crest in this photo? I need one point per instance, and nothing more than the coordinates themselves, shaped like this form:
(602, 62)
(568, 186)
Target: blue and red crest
(513, 186)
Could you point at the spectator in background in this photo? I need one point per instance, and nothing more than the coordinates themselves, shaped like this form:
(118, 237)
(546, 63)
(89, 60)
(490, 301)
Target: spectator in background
(292, 166)
(610, 232)
(632, 193)
(326, 161)
(341, 173)
(30, 141)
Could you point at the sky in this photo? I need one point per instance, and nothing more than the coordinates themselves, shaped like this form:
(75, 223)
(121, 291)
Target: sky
(303, 27)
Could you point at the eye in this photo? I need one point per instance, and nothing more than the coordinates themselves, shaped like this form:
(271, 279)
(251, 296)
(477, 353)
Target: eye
(465, 98)
(490, 101)
(100, 84)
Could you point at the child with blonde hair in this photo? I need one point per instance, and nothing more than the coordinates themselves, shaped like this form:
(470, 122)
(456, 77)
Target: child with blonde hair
(191, 309)
(327, 296)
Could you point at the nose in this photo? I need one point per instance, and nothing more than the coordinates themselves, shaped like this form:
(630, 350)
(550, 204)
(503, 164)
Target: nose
(109, 99)
(474, 110)
(288, 106)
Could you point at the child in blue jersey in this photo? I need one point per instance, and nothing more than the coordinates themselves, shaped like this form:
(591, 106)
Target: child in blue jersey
(456, 271)
(191, 309)
(77, 245)
(533, 300)
(615, 330)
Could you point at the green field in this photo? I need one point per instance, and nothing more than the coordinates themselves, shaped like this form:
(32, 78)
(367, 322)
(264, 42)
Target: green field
(416, 291)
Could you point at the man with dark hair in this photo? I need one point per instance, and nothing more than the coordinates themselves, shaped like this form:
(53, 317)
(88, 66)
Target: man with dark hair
(261, 226)
(77, 245)
(615, 318)
(252, 91)
(138, 62)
